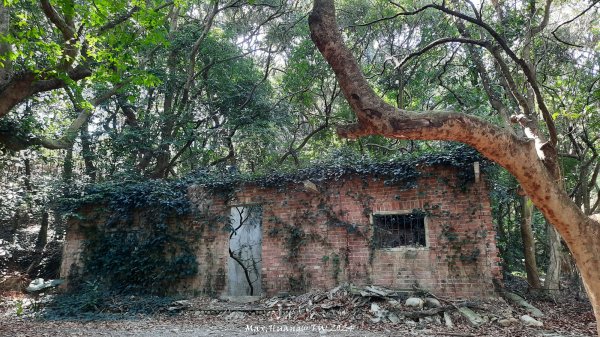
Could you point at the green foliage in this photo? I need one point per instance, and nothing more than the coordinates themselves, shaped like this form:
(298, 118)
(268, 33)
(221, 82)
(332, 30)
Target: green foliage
(400, 171)
(128, 261)
(129, 264)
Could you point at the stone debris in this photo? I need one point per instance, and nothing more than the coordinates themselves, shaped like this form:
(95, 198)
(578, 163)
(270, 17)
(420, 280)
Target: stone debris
(353, 305)
(431, 302)
(414, 302)
(236, 316)
(530, 321)
(179, 306)
(448, 320)
(39, 284)
(506, 322)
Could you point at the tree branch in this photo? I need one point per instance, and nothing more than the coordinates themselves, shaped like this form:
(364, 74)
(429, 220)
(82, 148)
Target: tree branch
(11, 140)
(441, 41)
(23, 85)
(58, 21)
(594, 3)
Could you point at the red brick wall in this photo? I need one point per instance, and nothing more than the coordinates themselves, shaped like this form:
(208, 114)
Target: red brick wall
(334, 228)
(460, 261)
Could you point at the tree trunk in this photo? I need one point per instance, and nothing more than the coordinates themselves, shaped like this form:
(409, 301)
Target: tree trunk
(42, 238)
(16, 223)
(552, 282)
(67, 173)
(5, 48)
(87, 153)
(533, 277)
(40, 244)
(528, 160)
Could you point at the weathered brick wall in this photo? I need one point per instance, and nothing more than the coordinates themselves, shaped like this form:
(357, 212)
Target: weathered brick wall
(320, 239)
(461, 258)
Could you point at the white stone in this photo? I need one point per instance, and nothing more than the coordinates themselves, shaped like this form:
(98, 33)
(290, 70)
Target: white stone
(530, 321)
(414, 302)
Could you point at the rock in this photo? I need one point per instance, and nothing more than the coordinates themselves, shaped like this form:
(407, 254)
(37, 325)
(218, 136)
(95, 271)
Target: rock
(235, 316)
(431, 302)
(383, 314)
(410, 322)
(394, 303)
(38, 284)
(504, 322)
(530, 321)
(393, 318)
(378, 313)
(448, 320)
(471, 316)
(414, 302)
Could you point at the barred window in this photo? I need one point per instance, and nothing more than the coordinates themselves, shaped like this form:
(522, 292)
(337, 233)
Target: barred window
(399, 230)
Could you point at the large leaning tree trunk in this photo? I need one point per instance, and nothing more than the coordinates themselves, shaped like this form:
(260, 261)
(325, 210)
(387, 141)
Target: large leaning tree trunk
(524, 158)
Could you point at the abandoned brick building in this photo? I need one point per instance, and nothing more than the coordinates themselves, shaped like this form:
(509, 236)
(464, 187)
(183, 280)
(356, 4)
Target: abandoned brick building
(434, 234)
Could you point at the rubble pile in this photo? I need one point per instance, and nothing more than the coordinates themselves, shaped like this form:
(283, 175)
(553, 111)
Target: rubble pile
(374, 304)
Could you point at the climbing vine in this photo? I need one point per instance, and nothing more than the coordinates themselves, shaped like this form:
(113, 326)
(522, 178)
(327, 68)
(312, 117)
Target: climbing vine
(139, 246)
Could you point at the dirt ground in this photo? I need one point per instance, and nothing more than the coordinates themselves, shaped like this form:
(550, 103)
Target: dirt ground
(320, 313)
(569, 320)
(211, 326)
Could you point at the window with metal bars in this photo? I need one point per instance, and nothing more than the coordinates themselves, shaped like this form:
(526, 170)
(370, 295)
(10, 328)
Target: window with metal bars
(399, 230)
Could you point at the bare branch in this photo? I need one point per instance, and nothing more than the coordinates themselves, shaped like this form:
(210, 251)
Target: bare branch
(544, 23)
(529, 74)
(196, 47)
(441, 41)
(594, 3)
(67, 31)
